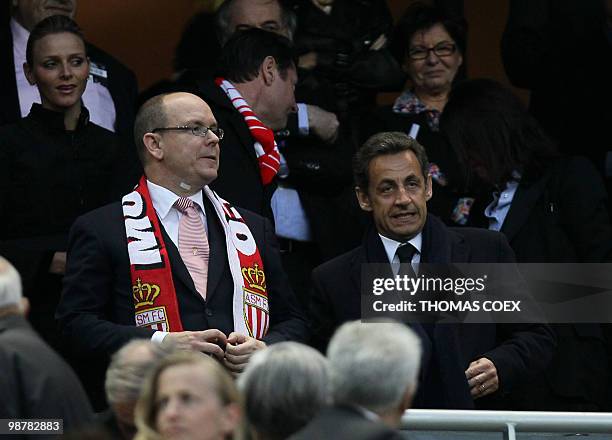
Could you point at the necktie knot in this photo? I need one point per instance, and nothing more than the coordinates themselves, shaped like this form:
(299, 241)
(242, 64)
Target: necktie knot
(405, 252)
(184, 204)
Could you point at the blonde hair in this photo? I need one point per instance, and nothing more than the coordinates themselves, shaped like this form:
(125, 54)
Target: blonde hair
(146, 413)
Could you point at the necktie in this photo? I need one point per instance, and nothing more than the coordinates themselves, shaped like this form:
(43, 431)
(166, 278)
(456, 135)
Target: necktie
(405, 252)
(193, 243)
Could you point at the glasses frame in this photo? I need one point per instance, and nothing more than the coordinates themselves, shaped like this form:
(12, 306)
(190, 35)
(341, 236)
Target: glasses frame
(434, 50)
(193, 129)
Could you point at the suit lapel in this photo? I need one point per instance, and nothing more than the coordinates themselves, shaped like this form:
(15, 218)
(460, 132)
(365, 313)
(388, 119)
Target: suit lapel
(522, 205)
(217, 260)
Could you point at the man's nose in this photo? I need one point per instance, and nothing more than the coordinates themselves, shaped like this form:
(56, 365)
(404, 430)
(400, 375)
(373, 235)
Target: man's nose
(403, 197)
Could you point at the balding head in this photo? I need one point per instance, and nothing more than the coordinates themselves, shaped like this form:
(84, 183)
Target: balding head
(178, 142)
(10, 288)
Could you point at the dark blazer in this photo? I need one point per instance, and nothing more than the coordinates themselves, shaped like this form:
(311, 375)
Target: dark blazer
(121, 85)
(562, 217)
(36, 382)
(96, 311)
(336, 299)
(238, 181)
(344, 423)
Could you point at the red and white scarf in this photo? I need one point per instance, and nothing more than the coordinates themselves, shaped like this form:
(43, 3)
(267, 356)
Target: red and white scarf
(265, 145)
(155, 303)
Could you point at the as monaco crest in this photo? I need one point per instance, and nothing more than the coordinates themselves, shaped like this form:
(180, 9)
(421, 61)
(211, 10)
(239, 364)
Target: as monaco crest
(256, 309)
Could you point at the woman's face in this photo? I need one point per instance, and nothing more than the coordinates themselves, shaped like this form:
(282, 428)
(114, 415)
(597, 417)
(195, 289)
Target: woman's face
(188, 407)
(59, 69)
(434, 73)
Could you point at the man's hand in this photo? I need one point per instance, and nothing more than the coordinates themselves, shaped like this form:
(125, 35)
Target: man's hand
(239, 350)
(58, 263)
(323, 124)
(210, 341)
(482, 378)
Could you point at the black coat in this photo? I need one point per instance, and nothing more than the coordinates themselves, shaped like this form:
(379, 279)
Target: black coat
(48, 177)
(36, 383)
(562, 217)
(344, 423)
(336, 299)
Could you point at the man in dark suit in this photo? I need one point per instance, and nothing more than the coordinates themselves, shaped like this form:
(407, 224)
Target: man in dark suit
(258, 66)
(111, 92)
(36, 382)
(374, 374)
(230, 302)
(461, 362)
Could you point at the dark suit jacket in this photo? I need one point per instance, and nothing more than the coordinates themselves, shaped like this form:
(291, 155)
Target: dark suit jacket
(344, 423)
(121, 85)
(96, 311)
(336, 299)
(562, 217)
(35, 381)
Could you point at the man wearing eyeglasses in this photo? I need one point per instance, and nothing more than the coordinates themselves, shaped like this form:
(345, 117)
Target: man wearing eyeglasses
(175, 262)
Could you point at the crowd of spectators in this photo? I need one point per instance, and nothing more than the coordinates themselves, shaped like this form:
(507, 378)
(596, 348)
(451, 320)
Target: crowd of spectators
(273, 149)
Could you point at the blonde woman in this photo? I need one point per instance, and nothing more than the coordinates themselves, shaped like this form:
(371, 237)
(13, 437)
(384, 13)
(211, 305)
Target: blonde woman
(188, 396)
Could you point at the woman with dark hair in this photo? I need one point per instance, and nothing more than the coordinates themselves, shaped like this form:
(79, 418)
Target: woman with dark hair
(429, 44)
(552, 208)
(54, 166)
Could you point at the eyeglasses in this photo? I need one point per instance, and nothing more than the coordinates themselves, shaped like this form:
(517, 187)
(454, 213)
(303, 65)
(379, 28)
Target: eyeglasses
(441, 50)
(196, 130)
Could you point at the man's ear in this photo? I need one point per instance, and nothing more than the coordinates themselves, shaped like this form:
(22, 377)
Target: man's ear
(428, 188)
(269, 70)
(152, 142)
(363, 198)
(28, 74)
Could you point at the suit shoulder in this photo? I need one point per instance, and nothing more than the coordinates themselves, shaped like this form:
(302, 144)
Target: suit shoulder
(337, 265)
(477, 235)
(102, 215)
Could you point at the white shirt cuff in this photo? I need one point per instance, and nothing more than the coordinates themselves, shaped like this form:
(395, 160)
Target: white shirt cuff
(302, 114)
(158, 337)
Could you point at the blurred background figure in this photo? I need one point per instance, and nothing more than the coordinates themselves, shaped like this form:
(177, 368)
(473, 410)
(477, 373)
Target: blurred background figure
(36, 383)
(343, 56)
(561, 50)
(112, 90)
(552, 209)
(188, 396)
(284, 387)
(55, 164)
(374, 375)
(125, 379)
(430, 44)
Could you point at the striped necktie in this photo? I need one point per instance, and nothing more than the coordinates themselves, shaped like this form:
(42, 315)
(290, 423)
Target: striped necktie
(193, 243)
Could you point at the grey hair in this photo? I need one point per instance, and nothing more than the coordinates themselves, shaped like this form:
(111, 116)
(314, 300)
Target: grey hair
(10, 285)
(284, 386)
(373, 364)
(128, 369)
(223, 14)
(152, 114)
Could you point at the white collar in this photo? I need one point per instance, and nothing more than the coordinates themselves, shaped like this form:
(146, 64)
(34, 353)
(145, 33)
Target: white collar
(20, 36)
(163, 199)
(392, 245)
